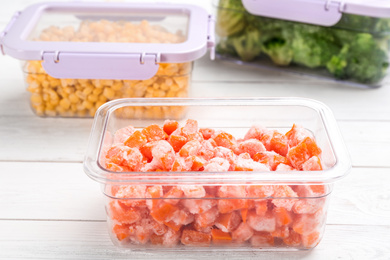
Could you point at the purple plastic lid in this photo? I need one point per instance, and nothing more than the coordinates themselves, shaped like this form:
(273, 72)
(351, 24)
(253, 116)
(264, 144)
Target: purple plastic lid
(319, 12)
(107, 60)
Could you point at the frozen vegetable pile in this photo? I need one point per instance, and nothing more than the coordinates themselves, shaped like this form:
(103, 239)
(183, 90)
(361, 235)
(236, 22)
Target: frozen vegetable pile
(355, 48)
(82, 97)
(201, 215)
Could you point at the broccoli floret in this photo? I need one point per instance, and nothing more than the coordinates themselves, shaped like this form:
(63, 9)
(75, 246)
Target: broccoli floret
(313, 46)
(248, 44)
(359, 23)
(230, 18)
(361, 59)
(279, 50)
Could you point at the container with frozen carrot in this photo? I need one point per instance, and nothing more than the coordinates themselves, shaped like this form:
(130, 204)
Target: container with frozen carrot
(77, 56)
(252, 173)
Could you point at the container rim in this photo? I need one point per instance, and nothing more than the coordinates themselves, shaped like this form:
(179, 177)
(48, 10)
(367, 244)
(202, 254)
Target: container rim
(339, 170)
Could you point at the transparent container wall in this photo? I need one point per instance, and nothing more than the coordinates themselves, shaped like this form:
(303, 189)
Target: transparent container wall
(254, 209)
(138, 27)
(354, 51)
(82, 97)
(177, 223)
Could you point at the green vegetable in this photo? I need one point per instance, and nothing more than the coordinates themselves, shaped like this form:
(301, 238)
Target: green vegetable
(248, 44)
(356, 48)
(361, 58)
(313, 46)
(230, 18)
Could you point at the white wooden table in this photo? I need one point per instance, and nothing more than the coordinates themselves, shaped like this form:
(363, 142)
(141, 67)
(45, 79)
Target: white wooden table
(50, 209)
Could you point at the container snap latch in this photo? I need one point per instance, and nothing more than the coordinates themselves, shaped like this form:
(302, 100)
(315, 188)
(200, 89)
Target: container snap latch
(211, 36)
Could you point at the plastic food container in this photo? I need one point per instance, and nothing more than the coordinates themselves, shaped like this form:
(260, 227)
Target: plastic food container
(347, 41)
(78, 55)
(234, 204)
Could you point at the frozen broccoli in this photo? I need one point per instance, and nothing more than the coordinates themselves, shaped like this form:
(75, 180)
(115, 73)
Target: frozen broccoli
(313, 46)
(367, 24)
(279, 50)
(361, 58)
(230, 17)
(248, 44)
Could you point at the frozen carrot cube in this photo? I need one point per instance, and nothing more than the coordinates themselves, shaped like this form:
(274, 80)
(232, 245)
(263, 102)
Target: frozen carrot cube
(170, 126)
(173, 195)
(154, 133)
(190, 148)
(271, 159)
(207, 149)
(293, 239)
(169, 239)
(296, 135)
(261, 207)
(163, 212)
(262, 239)
(265, 223)
(193, 191)
(197, 163)
(225, 139)
(207, 132)
(229, 205)
(130, 195)
(180, 218)
(313, 164)
(281, 232)
(251, 146)
(195, 238)
(260, 191)
(177, 141)
(275, 141)
(308, 206)
(206, 219)
(123, 214)
(136, 140)
(116, 168)
(225, 153)
(311, 240)
(154, 192)
(190, 128)
(163, 156)
(197, 206)
(303, 152)
(121, 231)
(228, 222)
(243, 233)
(133, 159)
(217, 165)
(220, 237)
(122, 134)
(308, 223)
(180, 165)
(249, 165)
(284, 197)
(255, 132)
(117, 154)
(283, 216)
(284, 167)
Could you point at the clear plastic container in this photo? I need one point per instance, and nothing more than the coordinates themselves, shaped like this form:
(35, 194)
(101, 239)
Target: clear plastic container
(350, 44)
(230, 210)
(77, 56)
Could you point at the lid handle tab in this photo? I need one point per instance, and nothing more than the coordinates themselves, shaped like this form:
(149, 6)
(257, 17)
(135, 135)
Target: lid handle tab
(211, 36)
(319, 12)
(101, 66)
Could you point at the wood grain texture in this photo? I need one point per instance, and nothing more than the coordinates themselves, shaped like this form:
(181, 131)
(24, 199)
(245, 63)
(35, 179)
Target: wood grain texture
(90, 240)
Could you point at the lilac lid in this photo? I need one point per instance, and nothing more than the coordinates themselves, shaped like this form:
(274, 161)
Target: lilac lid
(319, 12)
(108, 40)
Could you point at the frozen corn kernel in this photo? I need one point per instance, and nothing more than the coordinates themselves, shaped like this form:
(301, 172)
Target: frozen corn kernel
(195, 215)
(171, 80)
